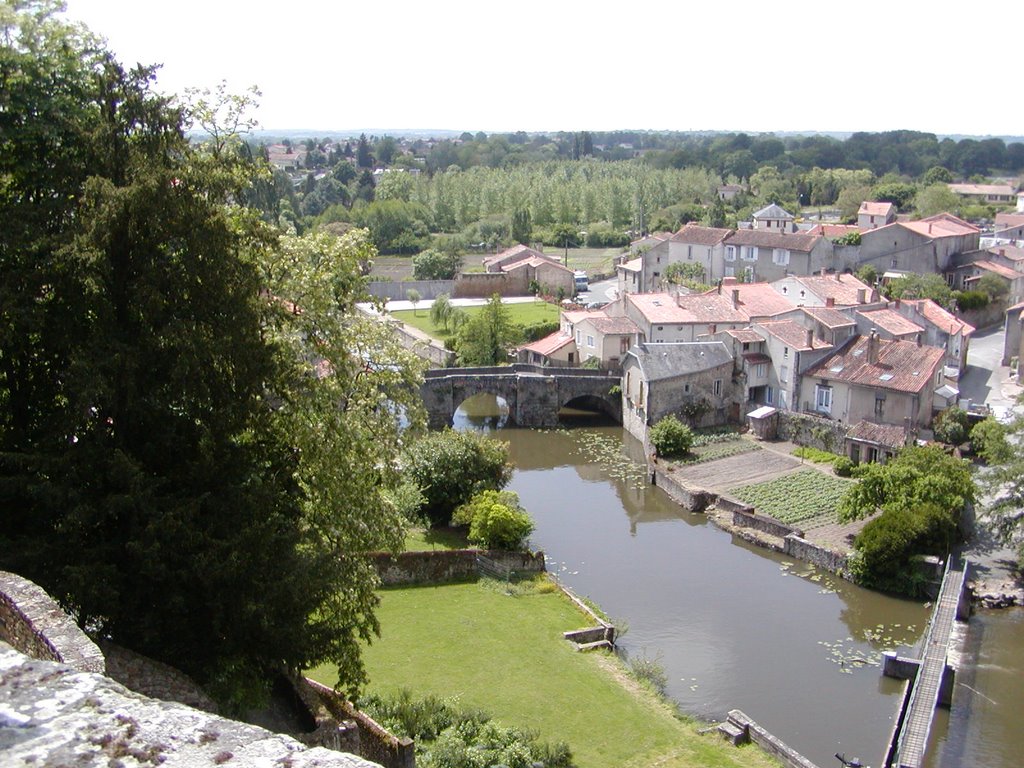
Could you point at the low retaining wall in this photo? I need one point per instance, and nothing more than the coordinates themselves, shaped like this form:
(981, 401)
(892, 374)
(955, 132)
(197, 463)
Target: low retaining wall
(33, 623)
(801, 549)
(692, 499)
(437, 566)
(773, 745)
(375, 742)
(748, 518)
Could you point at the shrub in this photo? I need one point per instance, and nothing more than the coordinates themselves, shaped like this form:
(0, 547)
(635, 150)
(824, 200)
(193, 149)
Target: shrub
(670, 437)
(989, 440)
(843, 466)
(967, 300)
(450, 467)
(886, 545)
(495, 520)
(952, 426)
(539, 329)
(651, 671)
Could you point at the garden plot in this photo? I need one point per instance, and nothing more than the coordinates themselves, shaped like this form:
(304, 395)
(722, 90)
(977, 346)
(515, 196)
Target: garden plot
(807, 499)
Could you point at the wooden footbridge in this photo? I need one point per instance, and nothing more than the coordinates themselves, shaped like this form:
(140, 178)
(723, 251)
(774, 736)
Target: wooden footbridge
(930, 678)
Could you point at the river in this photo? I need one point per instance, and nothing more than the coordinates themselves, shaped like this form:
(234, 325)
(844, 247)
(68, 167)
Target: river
(734, 626)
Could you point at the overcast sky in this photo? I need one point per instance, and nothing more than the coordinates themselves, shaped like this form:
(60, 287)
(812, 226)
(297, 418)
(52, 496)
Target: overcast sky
(567, 65)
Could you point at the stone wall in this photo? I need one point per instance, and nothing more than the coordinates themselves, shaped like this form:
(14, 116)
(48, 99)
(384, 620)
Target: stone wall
(814, 431)
(392, 290)
(748, 518)
(483, 285)
(993, 314)
(691, 499)
(771, 744)
(375, 742)
(57, 715)
(32, 623)
(439, 566)
(801, 549)
(429, 349)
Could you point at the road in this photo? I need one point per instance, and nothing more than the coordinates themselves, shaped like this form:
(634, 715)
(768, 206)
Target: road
(985, 380)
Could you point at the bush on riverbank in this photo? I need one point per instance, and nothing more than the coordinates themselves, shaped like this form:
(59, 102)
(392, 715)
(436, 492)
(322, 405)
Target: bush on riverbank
(671, 438)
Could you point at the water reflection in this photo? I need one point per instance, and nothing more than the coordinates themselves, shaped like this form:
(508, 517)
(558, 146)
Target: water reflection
(483, 413)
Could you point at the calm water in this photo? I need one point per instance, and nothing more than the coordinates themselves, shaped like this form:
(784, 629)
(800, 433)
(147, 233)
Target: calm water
(735, 627)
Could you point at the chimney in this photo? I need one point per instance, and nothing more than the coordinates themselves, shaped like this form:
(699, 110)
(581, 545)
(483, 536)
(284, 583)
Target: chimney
(809, 338)
(822, 273)
(1002, 251)
(897, 304)
(862, 294)
(719, 286)
(735, 297)
(830, 301)
(873, 347)
(839, 277)
(919, 338)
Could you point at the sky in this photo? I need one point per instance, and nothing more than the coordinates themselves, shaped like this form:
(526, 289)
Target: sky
(550, 65)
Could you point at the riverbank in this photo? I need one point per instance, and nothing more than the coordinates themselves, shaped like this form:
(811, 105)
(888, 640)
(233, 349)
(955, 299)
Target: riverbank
(504, 653)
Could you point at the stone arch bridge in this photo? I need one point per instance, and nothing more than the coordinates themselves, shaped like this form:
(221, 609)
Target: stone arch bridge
(534, 393)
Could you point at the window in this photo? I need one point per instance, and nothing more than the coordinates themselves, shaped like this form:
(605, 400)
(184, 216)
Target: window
(730, 272)
(785, 353)
(761, 370)
(623, 345)
(782, 399)
(716, 388)
(749, 253)
(823, 398)
(879, 406)
(579, 338)
(686, 389)
(730, 253)
(780, 256)
(784, 374)
(746, 345)
(894, 261)
(689, 252)
(590, 341)
(769, 396)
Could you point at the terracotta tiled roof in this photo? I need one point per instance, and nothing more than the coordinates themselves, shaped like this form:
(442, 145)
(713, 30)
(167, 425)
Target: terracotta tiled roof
(832, 231)
(940, 225)
(634, 265)
(1007, 220)
(841, 288)
(694, 308)
(830, 318)
(891, 321)
(793, 335)
(549, 344)
(1011, 252)
(887, 435)
(612, 325)
(535, 261)
(694, 234)
(575, 315)
(762, 238)
(520, 252)
(868, 208)
(757, 299)
(901, 366)
(940, 318)
(999, 269)
(747, 335)
(982, 189)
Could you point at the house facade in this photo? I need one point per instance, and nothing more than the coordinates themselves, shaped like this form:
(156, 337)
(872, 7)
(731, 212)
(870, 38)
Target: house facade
(873, 215)
(755, 255)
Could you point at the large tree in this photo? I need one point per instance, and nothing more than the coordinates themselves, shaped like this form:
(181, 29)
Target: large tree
(195, 432)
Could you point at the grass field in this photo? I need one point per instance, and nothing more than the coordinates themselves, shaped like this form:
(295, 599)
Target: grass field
(520, 314)
(425, 539)
(506, 655)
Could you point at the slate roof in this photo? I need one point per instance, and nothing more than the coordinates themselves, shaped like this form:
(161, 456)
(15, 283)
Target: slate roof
(830, 318)
(892, 322)
(772, 211)
(887, 435)
(694, 234)
(793, 335)
(901, 366)
(664, 360)
(762, 238)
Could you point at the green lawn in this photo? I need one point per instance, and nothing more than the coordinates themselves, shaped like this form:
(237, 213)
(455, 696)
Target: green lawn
(420, 539)
(506, 655)
(520, 314)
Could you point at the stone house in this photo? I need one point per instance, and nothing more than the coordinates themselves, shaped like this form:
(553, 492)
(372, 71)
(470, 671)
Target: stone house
(666, 317)
(774, 218)
(606, 338)
(941, 329)
(966, 276)
(873, 215)
(921, 246)
(760, 255)
(876, 380)
(629, 275)
(693, 380)
(791, 348)
(829, 324)
(1009, 228)
(555, 349)
(869, 442)
(694, 244)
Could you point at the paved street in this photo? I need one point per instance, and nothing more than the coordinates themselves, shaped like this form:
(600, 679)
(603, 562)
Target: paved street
(985, 380)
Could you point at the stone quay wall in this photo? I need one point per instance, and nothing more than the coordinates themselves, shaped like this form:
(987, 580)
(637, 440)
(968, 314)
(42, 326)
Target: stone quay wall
(771, 744)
